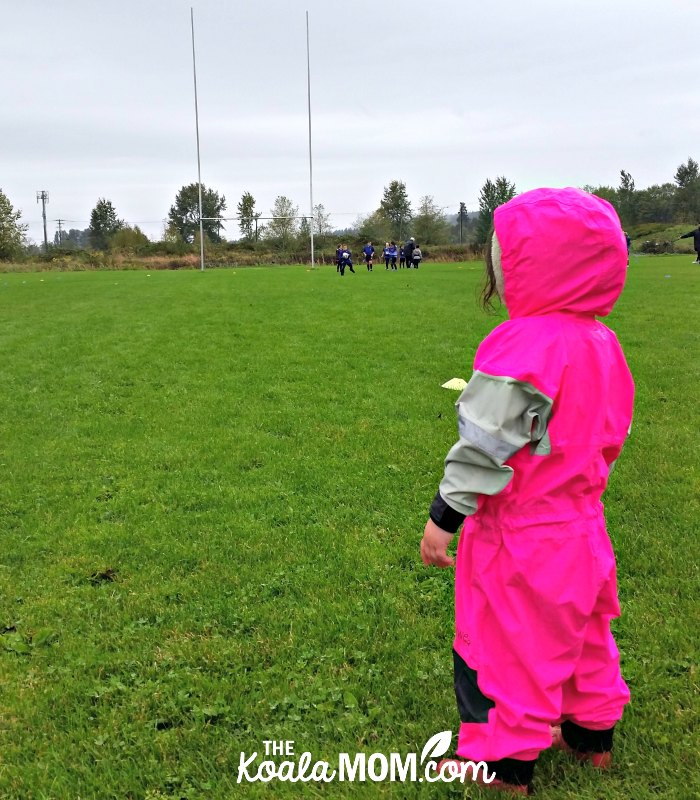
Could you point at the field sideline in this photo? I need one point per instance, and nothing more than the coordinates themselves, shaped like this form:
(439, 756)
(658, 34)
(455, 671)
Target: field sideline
(212, 491)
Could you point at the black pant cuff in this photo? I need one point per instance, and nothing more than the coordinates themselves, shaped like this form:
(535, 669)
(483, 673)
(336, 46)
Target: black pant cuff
(513, 770)
(585, 740)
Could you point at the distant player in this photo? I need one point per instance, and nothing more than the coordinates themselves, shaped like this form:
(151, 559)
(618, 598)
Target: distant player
(368, 251)
(402, 257)
(696, 242)
(338, 251)
(416, 256)
(345, 260)
(393, 253)
(385, 255)
(408, 249)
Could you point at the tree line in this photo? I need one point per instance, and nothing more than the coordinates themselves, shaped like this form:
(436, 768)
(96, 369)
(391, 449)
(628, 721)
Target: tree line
(673, 202)
(395, 219)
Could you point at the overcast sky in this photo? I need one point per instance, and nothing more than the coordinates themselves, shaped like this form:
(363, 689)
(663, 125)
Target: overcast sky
(97, 100)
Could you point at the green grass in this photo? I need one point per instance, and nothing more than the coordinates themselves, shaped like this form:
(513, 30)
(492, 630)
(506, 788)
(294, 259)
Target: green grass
(212, 490)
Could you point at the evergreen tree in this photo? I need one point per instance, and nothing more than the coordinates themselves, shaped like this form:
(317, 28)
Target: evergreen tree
(627, 199)
(462, 221)
(492, 195)
(104, 223)
(247, 216)
(687, 179)
(396, 208)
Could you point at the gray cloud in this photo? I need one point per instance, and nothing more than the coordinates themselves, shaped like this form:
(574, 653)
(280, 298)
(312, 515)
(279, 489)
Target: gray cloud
(98, 102)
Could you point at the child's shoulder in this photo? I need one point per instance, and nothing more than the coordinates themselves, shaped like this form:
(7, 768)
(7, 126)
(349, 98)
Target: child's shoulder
(526, 348)
(520, 328)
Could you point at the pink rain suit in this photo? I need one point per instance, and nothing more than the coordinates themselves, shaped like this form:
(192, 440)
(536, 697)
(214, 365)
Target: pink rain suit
(535, 577)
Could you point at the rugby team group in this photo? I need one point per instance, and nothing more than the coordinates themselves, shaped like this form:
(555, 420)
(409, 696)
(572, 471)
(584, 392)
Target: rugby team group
(407, 255)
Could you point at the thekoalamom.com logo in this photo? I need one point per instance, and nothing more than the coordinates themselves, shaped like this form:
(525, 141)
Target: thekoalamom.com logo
(360, 767)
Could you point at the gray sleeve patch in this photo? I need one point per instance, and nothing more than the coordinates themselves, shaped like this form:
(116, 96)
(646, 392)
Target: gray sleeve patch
(497, 416)
(491, 445)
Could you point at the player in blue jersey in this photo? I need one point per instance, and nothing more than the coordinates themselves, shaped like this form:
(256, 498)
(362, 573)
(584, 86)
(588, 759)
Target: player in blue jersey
(338, 251)
(393, 253)
(345, 260)
(368, 250)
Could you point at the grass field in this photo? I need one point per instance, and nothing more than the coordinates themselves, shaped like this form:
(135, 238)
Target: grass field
(212, 491)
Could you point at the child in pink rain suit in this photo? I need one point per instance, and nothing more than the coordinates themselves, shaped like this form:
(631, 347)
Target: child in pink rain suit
(541, 422)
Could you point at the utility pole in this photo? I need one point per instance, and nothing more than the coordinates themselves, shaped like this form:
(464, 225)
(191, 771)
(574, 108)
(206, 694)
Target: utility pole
(60, 232)
(43, 195)
(462, 214)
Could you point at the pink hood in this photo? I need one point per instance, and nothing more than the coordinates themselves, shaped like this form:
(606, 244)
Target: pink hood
(561, 250)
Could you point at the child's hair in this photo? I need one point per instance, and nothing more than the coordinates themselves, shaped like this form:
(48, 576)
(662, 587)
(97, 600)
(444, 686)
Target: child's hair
(488, 291)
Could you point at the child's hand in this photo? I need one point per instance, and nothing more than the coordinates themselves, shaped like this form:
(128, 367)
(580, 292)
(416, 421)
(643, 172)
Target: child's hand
(433, 546)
